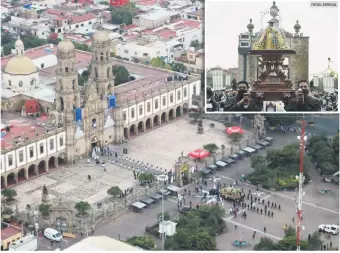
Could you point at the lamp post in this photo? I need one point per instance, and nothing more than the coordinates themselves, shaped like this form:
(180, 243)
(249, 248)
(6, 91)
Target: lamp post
(36, 225)
(162, 179)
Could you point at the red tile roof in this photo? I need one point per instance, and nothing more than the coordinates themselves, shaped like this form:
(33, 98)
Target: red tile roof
(55, 12)
(32, 106)
(83, 18)
(9, 232)
(166, 33)
(128, 27)
(188, 23)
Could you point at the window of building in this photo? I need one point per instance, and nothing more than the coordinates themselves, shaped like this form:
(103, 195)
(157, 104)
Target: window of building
(66, 69)
(156, 104)
(21, 156)
(82, 25)
(59, 30)
(140, 110)
(41, 148)
(108, 72)
(194, 90)
(9, 83)
(102, 56)
(51, 144)
(126, 51)
(136, 53)
(132, 113)
(148, 107)
(31, 151)
(164, 101)
(90, 23)
(10, 160)
(94, 123)
(42, 65)
(20, 83)
(178, 95)
(185, 92)
(77, 26)
(158, 52)
(61, 141)
(171, 98)
(124, 116)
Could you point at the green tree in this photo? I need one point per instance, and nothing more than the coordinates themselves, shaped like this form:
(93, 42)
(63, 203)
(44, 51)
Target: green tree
(314, 243)
(265, 244)
(44, 209)
(82, 207)
(121, 74)
(33, 41)
(202, 241)
(144, 242)
(159, 63)
(235, 136)
(289, 244)
(258, 162)
(123, 14)
(82, 47)
(166, 216)
(114, 191)
(211, 147)
(146, 177)
(281, 119)
(178, 67)
(9, 194)
(195, 44)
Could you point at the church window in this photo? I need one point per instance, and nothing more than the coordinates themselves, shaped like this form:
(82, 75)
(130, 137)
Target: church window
(73, 83)
(171, 98)
(66, 69)
(20, 83)
(140, 110)
(107, 55)
(9, 83)
(164, 101)
(96, 72)
(51, 144)
(178, 95)
(61, 141)
(132, 113)
(124, 116)
(61, 84)
(156, 104)
(94, 123)
(102, 56)
(108, 72)
(148, 107)
(185, 92)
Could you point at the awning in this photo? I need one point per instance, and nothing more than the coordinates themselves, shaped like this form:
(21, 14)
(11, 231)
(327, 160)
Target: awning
(125, 185)
(173, 188)
(164, 192)
(234, 156)
(228, 160)
(148, 201)
(249, 150)
(205, 171)
(241, 152)
(212, 167)
(199, 153)
(156, 196)
(255, 146)
(263, 143)
(139, 205)
(221, 164)
(269, 139)
(234, 130)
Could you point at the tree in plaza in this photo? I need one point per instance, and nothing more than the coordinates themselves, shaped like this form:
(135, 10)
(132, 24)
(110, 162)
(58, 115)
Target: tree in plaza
(335, 146)
(235, 136)
(211, 147)
(281, 119)
(121, 74)
(114, 191)
(44, 209)
(166, 216)
(82, 207)
(265, 244)
(202, 241)
(123, 14)
(258, 162)
(9, 194)
(146, 177)
(144, 242)
(159, 63)
(178, 67)
(314, 242)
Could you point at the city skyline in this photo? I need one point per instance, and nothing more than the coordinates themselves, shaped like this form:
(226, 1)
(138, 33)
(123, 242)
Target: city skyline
(222, 40)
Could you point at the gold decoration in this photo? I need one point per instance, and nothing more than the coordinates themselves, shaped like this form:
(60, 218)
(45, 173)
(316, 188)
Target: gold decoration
(271, 39)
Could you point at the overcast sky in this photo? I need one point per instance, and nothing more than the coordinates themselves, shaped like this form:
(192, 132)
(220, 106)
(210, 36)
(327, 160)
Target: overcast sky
(225, 20)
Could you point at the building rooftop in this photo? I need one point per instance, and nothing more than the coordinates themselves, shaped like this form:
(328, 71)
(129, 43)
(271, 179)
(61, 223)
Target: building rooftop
(9, 232)
(21, 128)
(158, 14)
(101, 243)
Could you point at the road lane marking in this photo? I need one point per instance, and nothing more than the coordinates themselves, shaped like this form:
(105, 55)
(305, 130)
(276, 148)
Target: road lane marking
(283, 196)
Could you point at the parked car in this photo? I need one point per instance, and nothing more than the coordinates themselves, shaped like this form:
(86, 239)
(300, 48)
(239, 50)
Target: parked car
(333, 229)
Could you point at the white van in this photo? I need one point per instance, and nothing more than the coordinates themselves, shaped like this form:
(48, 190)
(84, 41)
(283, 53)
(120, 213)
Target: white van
(53, 234)
(333, 229)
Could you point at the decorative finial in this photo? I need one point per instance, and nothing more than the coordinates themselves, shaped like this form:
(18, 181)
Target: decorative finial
(329, 62)
(250, 26)
(297, 26)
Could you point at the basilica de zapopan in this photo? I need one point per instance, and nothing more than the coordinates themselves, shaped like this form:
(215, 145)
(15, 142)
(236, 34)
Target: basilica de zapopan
(97, 114)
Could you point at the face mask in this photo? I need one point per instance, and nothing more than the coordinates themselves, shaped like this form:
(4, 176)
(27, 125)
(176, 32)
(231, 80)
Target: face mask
(241, 92)
(305, 92)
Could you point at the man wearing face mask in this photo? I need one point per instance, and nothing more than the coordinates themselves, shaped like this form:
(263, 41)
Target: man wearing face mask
(211, 104)
(241, 101)
(304, 100)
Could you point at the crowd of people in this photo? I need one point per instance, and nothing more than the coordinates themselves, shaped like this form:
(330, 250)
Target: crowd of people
(238, 99)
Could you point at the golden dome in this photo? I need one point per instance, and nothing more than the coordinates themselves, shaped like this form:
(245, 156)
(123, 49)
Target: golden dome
(20, 65)
(65, 45)
(101, 36)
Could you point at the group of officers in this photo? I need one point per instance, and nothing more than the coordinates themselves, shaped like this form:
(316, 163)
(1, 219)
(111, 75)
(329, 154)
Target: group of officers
(239, 100)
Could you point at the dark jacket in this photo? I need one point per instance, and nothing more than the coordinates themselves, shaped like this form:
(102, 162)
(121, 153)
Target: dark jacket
(232, 106)
(311, 104)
